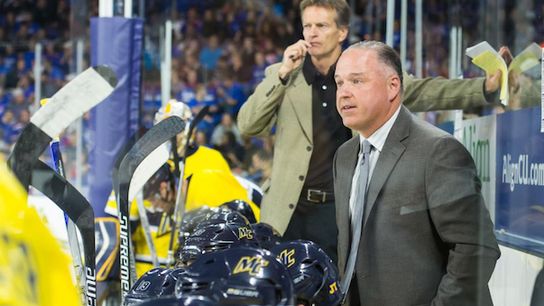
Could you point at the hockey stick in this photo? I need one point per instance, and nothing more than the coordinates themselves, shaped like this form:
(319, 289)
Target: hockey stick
(155, 137)
(69, 103)
(141, 209)
(85, 91)
(75, 251)
(141, 175)
(179, 208)
(78, 209)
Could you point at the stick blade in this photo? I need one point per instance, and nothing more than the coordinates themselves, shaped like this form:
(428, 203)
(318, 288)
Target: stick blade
(81, 94)
(70, 201)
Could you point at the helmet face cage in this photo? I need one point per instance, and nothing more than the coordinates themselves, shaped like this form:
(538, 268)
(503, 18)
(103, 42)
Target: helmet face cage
(313, 273)
(240, 276)
(242, 207)
(157, 282)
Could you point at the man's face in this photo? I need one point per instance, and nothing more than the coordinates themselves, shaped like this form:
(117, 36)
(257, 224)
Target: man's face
(365, 92)
(321, 31)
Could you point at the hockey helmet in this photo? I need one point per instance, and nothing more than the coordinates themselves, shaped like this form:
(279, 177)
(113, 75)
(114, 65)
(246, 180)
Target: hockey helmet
(173, 108)
(214, 237)
(238, 276)
(267, 236)
(223, 215)
(242, 207)
(313, 273)
(154, 283)
(188, 300)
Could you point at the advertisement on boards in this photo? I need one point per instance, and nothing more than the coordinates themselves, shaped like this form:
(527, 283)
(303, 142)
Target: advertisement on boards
(519, 211)
(478, 135)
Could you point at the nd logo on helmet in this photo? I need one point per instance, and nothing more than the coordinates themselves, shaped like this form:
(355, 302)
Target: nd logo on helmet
(287, 257)
(250, 264)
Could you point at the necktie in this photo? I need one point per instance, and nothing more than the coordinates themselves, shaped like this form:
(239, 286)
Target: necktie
(357, 216)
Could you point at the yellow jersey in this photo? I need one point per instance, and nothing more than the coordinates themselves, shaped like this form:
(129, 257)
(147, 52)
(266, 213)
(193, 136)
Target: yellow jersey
(211, 183)
(33, 268)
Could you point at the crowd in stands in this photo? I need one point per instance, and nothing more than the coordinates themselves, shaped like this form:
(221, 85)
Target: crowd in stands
(219, 52)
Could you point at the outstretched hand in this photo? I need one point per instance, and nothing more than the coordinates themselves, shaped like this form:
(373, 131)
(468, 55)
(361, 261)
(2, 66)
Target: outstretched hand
(493, 81)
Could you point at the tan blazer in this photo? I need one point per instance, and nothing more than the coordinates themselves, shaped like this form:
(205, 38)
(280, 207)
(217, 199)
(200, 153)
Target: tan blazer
(289, 108)
(427, 238)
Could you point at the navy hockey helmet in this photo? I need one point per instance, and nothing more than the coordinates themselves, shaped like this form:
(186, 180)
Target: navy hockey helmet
(267, 236)
(224, 215)
(242, 207)
(189, 300)
(238, 276)
(313, 273)
(215, 237)
(156, 282)
(193, 218)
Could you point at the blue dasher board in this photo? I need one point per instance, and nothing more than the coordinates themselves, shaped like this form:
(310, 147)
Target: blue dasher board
(519, 211)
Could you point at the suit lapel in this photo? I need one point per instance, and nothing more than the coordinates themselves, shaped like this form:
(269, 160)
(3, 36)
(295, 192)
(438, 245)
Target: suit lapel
(391, 152)
(300, 98)
(347, 162)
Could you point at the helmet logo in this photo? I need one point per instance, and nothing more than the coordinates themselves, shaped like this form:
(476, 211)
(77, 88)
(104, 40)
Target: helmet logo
(243, 292)
(143, 286)
(287, 257)
(250, 264)
(245, 232)
(333, 288)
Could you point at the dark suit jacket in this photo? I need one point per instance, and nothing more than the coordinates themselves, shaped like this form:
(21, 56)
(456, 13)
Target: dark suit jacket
(427, 238)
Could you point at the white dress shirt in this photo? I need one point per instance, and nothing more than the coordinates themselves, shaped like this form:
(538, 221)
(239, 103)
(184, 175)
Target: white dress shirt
(377, 140)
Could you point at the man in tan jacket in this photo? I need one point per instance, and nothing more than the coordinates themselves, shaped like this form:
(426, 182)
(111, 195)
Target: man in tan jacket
(297, 97)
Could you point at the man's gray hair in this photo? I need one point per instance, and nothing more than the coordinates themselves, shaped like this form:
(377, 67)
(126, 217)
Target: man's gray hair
(386, 55)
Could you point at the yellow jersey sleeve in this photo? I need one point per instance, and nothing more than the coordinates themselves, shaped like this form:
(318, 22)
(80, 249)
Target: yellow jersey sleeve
(33, 268)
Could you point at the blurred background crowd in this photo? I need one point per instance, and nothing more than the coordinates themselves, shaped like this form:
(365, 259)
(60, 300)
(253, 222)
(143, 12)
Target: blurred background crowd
(220, 50)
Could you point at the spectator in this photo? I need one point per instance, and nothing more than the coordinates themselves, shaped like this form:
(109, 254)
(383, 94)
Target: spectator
(261, 167)
(226, 125)
(232, 95)
(232, 151)
(18, 102)
(210, 54)
(14, 74)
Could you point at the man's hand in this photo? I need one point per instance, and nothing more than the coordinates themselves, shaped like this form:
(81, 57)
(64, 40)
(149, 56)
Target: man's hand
(493, 81)
(292, 58)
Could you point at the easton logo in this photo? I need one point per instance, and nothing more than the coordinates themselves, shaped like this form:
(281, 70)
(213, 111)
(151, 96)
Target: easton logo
(287, 257)
(250, 264)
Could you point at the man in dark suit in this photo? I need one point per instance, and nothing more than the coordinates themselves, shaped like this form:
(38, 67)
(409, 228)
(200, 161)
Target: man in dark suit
(426, 236)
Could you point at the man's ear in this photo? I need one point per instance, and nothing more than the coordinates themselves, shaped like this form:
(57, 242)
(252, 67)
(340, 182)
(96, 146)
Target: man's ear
(343, 34)
(394, 87)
